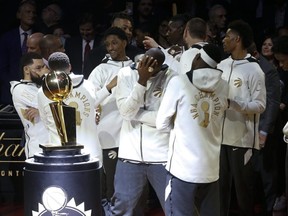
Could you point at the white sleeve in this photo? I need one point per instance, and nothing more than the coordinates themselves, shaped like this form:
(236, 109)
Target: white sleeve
(129, 94)
(97, 79)
(168, 106)
(171, 61)
(257, 101)
(21, 94)
(146, 117)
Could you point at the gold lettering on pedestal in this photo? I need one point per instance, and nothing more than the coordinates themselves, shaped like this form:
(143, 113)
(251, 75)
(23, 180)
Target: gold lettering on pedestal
(11, 173)
(2, 135)
(10, 149)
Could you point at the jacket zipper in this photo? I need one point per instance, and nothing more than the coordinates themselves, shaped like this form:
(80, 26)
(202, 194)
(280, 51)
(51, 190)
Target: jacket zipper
(228, 96)
(141, 131)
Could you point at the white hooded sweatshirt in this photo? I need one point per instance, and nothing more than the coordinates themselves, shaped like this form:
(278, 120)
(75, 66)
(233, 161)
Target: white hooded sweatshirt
(108, 129)
(24, 96)
(194, 114)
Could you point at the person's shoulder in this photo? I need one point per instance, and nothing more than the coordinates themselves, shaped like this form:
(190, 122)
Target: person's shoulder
(14, 31)
(13, 88)
(87, 84)
(191, 52)
(85, 87)
(177, 81)
(10, 35)
(127, 71)
(74, 39)
(71, 42)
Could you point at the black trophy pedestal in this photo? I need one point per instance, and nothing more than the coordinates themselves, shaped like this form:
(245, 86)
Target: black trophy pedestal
(62, 182)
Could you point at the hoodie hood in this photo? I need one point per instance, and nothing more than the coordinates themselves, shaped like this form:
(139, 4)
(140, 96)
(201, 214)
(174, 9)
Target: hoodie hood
(206, 79)
(109, 61)
(77, 79)
(15, 83)
(248, 58)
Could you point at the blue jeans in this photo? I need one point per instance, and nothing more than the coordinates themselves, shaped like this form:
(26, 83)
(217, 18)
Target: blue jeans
(130, 181)
(191, 199)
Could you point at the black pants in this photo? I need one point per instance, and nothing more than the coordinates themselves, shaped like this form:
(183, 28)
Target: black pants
(236, 165)
(264, 162)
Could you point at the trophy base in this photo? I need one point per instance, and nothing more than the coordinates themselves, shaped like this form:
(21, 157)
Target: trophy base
(61, 154)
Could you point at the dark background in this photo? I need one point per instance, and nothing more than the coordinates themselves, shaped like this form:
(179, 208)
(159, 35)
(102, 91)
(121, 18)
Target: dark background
(72, 9)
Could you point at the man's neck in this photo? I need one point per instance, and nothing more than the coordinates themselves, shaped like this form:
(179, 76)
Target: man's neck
(239, 54)
(27, 79)
(193, 41)
(25, 27)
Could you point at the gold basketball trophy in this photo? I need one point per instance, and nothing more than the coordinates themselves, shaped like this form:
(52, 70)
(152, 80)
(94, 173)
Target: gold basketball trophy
(56, 86)
(52, 177)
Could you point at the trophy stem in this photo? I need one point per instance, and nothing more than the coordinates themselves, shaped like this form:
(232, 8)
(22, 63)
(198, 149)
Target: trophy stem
(63, 135)
(65, 120)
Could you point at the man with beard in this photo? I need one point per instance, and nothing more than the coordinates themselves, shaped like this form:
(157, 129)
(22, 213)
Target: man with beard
(24, 97)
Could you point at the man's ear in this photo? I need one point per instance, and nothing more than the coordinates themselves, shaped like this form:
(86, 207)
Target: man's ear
(126, 43)
(238, 39)
(26, 70)
(185, 33)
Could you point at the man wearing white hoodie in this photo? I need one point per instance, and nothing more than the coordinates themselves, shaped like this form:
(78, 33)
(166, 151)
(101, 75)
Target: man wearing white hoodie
(143, 149)
(194, 36)
(82, 98)
(247, 96)
(193, 108)
(104, 79)
(24, 96)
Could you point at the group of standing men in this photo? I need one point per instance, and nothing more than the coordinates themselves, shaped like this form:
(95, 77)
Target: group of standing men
(187, 125)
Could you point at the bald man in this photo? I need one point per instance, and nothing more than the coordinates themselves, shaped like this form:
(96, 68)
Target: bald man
(33, 42)
(50, 44)
(138, 96)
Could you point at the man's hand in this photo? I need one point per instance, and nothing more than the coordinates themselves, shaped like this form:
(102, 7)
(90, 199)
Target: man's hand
(149, 42)
(262, 140)
(31, 113)
(282, 106)
(112, 84)
(175, 50)
(146, 69)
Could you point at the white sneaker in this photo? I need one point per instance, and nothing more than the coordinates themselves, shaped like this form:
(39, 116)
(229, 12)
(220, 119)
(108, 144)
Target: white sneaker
(280, 203)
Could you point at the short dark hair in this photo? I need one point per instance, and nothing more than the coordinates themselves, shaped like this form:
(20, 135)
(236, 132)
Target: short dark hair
(157, 54)
(27, 59)
(121, 15)
(182, 18)
(58, 61)
(280, 45)
(244, 31)
(87, 18)
(115, 31)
